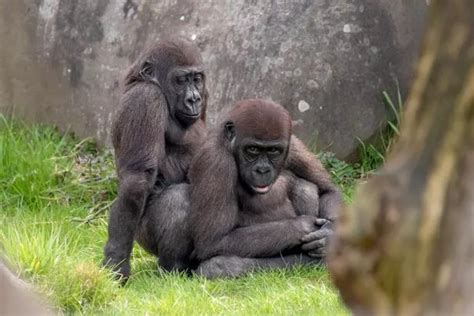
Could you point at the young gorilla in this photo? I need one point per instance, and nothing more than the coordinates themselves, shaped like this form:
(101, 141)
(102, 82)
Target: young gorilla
(248, 209)
(158, 129)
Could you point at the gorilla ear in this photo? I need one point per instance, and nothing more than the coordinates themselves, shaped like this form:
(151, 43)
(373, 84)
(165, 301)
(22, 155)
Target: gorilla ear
(147, 73)
(229, 130)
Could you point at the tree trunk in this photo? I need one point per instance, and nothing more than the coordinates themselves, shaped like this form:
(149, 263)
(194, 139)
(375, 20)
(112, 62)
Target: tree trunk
(16, 299)
(405, 246)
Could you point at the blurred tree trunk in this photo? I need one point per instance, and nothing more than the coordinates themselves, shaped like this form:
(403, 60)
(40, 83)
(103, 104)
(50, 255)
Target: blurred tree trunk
(16, 299)
(405, 247)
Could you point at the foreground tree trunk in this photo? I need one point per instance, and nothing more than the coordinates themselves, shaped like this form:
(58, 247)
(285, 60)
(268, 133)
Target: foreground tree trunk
(15, 297)
(406, 247)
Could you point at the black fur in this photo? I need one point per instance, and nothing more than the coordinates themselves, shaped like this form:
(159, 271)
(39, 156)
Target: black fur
(234, 229)
(155, 135)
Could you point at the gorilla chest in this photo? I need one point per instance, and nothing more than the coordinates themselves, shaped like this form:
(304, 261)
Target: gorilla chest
(272, 206)
(175, 166)
(180, 147)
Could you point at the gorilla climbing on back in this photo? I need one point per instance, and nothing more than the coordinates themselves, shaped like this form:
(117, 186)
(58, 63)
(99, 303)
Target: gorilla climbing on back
(157, 131)
(276, 182)
(244, 207)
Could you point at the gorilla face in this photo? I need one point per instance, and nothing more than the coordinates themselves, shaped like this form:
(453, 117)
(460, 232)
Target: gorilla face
(187, 86)
(259, 161)
(184, 88)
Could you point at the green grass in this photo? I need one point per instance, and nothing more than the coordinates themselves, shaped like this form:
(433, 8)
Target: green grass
(372, 156)
(54, 197)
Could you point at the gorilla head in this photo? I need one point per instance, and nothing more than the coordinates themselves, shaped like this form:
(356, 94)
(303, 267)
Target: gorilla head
(259, 132)
(176, 67)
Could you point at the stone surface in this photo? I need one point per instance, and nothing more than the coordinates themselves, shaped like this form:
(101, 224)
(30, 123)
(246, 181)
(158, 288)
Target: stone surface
(326, 61)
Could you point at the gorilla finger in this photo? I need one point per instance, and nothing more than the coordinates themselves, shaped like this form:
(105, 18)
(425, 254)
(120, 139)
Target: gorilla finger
(321, 221)
(328, 225)
(321, 233)
(318, 253)
(313, 245)
(315, 255)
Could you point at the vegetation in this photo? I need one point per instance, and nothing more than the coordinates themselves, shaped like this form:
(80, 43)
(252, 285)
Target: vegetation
(371, 156)
(54, 193)
(54, 197)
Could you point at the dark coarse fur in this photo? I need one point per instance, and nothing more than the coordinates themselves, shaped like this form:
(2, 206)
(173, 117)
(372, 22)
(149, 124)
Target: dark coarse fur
(235, 231)
(154, 143)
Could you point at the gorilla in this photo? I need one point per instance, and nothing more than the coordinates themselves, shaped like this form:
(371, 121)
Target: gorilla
(156, 132)
(258, 197)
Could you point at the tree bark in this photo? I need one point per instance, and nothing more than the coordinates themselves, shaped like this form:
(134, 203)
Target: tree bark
(405, 246)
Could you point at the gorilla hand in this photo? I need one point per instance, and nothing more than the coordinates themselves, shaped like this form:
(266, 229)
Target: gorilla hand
(314, 243)
(306, 225)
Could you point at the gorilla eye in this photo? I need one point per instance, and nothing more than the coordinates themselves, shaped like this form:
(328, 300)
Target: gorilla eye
(147, 71)
(181, 80)
(198, 79)
(252, 150)
(273, 151)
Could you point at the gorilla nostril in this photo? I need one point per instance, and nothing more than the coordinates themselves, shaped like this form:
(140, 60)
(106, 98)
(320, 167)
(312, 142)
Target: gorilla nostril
(193, 97)
(193, 100)
(190, 103)
(263, 170)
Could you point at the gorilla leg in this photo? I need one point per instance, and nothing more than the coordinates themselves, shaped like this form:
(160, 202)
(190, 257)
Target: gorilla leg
(233, 266)
(163, 230)
(123, 221)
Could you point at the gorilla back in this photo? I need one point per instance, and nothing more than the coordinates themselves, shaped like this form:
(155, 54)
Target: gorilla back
(157, 130)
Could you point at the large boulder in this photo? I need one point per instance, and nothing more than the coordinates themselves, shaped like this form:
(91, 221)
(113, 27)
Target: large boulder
(326, 61)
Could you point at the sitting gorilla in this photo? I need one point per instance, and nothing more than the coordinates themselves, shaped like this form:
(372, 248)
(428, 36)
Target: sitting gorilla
(157, 130)
(255, 200)
(251, 204)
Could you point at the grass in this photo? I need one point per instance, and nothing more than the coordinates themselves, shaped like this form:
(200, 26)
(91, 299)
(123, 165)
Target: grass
(372, 156)
(55, 192)
(54, 197)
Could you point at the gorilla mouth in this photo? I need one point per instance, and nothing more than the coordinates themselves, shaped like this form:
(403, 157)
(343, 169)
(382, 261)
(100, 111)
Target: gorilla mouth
(193, 116)
(261, 189)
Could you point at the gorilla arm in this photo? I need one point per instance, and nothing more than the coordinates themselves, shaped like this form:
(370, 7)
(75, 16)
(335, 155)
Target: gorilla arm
(214, 215)
(305, 165)
(139, 145)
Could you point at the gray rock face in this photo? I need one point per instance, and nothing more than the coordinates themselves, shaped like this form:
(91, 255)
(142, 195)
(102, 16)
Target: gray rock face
(327, 62)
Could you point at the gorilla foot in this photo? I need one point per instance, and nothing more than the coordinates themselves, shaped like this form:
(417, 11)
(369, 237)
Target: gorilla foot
(222, 267)
(120, 268)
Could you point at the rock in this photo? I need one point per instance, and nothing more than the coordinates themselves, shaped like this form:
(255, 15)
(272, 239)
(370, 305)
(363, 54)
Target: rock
(61, 61)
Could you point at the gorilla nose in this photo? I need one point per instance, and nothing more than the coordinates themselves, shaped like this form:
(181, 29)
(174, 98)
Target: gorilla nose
(263, 170)
(193, 101)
